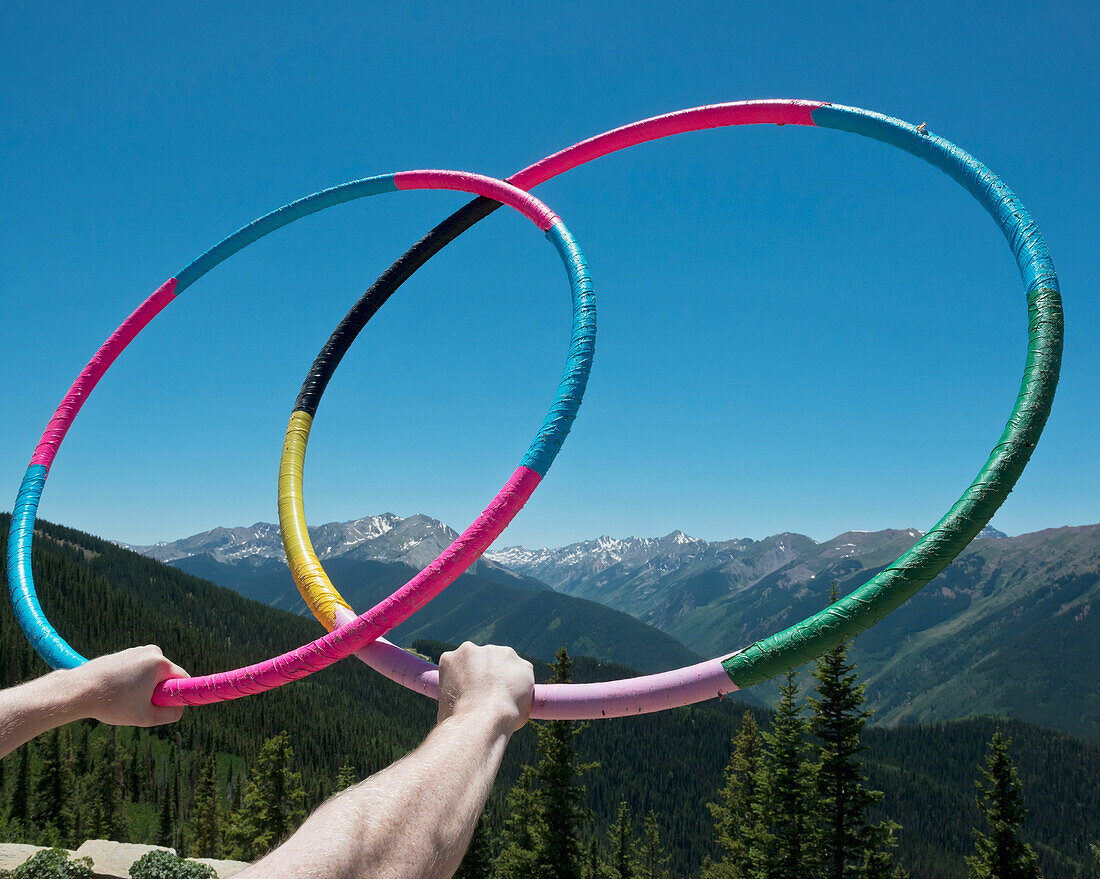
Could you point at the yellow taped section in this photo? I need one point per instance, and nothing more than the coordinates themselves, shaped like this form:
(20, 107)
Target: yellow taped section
(310, 577)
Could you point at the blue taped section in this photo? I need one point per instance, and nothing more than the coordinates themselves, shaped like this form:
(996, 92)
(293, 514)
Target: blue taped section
(257, 229)
(541, 453)
(1036, 266)
(43, 637)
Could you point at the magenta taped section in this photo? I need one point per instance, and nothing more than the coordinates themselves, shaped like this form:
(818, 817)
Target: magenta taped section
(785, 112)
(367, 627)
(65, 413)
(641, 695)
(463, 181)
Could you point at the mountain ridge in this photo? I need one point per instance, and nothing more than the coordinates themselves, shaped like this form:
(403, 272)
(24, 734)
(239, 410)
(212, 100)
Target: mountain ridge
(974, 641)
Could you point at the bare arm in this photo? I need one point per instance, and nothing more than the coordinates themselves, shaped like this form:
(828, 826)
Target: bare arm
(416, 817)
(115, 689)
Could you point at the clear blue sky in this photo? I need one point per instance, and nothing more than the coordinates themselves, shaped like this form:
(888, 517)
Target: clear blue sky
(799, 329)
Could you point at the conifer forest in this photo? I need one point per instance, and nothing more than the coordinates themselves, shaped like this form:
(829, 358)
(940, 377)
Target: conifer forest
(804, 787)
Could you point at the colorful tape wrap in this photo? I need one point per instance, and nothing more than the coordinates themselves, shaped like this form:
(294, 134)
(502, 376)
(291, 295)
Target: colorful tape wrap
(759, 661)
(853, 613)
(357, 631)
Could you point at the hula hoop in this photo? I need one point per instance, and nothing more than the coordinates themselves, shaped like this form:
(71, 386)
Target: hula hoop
(845, 618)
(485, 529)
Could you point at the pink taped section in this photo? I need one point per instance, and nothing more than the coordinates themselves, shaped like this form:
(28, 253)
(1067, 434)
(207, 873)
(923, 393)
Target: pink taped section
(641, 695)
(777, 112)
(365, 628)
(63, 416)
(462, 181)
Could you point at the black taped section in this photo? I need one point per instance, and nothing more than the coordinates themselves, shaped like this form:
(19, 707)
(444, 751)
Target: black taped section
(309, 397)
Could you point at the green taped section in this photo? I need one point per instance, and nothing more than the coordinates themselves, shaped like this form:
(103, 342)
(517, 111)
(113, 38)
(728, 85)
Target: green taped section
(868, 604)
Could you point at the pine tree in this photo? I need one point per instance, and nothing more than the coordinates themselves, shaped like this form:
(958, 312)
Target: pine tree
(524, 831)
(69, 820)
(164, 818)
(273, 800)
(790, 807)
(738, 815)
(652, 860)
(1001, 855)
(207, 817)
(345, 778)
(178, 842)
(593, 866)
(20, 795)
(103, 790)
(847, 840)
(47, 798)
(542, 835)
(621, 864)
(558, 771)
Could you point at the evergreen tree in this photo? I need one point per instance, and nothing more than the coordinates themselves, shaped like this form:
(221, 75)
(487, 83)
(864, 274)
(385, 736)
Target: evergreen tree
(47, 799)
(69, 820)
(1001, 855)
(178, 842)
(103, 790)
(345, 778)
(790, 807)
(738, 815)
(207, 817)
(20, 795)
(477, 863)
(880, 865)
(542, 835)
(847, 840)
(273, 800)
(621, 864)
(593, 866)
(524, 831)
(164, 818)
(652, 860)
(148, 772)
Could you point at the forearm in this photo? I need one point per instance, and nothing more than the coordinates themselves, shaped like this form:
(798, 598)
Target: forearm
(115, 689)
(413, 819)
(37, 706)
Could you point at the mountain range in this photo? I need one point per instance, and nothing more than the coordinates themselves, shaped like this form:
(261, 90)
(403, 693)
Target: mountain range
(1009, 628)
(367, 559)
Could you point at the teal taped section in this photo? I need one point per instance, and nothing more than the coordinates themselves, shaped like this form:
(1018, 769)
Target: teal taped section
(43, 637)
(869, 603)
(1036, 266)
(540, 455)
(257, 229)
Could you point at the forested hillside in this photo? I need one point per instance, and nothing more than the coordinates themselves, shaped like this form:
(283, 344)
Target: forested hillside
(489, 605)
(104, 598)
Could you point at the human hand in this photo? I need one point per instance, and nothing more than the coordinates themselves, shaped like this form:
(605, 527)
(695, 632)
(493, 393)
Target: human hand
(118, 688)
(493, 682)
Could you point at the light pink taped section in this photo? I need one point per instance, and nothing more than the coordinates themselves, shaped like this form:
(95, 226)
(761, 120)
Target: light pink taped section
(783, 112)
(641, 695)
(365, 628)
(463, 181)
(87, 380)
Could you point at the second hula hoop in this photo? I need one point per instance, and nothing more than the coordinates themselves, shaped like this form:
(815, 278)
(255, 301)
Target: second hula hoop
(840, 621)
(357, 631)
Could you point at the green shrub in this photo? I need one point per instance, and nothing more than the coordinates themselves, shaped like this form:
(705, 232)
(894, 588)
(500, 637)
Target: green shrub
(165, 865)
(53, 863)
